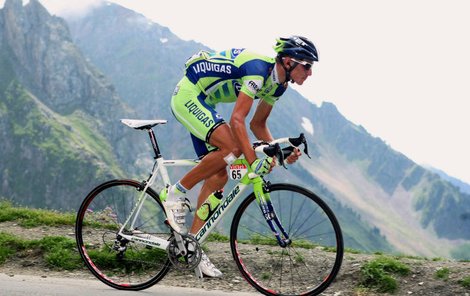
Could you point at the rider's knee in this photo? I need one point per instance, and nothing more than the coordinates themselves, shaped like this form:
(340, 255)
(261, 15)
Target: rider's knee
(236, 151)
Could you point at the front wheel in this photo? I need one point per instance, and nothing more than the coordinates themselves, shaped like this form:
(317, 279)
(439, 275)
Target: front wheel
(307, 265)
(121, 257)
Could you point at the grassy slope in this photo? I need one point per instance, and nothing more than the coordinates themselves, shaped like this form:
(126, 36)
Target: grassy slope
(67, 150)
(373, 274)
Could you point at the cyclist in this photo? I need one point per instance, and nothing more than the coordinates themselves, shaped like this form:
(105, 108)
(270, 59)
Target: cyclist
(239, 76)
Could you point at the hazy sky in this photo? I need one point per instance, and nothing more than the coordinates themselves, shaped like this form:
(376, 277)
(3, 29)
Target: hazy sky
(400, 68)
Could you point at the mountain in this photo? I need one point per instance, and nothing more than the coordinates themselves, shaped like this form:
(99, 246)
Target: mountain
(145, 63)
(65, 84)
(58, 135)
(413, 207)
(143, 50)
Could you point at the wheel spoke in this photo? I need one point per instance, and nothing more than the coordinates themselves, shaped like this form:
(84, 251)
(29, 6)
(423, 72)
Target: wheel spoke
(302, 268)
(116, 261)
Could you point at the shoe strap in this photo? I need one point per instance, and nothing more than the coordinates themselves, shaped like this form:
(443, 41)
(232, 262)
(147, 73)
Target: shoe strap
(187, 203)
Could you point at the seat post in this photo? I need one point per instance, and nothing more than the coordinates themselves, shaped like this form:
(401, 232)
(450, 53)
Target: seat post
(153, 139)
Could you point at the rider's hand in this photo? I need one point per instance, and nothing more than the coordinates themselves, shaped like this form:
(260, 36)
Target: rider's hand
(293, 156)
(262, 166)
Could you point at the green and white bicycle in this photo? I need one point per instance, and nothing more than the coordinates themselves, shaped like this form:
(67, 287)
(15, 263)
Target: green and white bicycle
(284, 239)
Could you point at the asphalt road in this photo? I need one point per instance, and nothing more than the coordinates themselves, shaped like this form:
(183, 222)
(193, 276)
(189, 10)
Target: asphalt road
(25, 285)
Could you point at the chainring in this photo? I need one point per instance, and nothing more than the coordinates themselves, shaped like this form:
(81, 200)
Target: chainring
(184, 260)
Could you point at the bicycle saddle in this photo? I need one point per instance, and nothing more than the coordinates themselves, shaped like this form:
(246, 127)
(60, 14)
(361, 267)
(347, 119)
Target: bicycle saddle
(143, 124)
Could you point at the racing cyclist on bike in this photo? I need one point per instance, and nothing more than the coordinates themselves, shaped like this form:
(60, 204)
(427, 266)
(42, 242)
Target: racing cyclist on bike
(239, 76)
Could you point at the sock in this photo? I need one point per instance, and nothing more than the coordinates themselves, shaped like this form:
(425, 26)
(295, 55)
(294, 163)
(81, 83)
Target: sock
(176, 192)
(180, 187)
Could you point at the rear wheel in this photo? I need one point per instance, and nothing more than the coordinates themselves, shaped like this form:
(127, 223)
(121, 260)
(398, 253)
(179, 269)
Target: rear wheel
(113, 259)
(309, 264)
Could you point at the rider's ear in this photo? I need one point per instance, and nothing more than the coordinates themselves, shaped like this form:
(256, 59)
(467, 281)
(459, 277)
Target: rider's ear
(288, 63)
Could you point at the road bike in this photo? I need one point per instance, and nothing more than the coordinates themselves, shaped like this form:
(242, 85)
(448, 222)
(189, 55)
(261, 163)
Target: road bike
(284, 239)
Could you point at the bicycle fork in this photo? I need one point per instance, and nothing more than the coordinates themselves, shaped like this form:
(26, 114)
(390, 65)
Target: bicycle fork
(261, 189)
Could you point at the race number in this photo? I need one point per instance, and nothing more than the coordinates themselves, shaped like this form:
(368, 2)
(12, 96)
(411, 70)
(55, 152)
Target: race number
(237, 171)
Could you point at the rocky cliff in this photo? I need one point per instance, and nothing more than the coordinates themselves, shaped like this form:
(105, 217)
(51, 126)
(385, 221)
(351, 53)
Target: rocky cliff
(58, 112)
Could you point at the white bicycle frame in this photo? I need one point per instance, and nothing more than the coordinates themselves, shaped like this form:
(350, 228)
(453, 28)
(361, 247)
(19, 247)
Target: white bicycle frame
(160, 168)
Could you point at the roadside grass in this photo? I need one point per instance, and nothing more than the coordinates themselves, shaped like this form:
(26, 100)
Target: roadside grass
(442, 273)
(60, 253)
(378, 274)
(57, 251)
(27, 217)
(218, 237)
(465, 282)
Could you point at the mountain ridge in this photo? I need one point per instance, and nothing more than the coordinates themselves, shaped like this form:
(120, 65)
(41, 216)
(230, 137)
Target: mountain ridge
(462, 185)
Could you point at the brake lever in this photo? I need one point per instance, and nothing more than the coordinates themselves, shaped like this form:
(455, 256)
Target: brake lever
(279, 155)
(296, 142)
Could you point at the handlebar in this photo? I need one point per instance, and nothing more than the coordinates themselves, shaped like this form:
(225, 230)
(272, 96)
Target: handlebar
(274, 149)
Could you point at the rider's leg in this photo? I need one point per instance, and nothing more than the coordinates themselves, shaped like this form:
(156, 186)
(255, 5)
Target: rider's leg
(216, 160)
(211, 184)
(189, 106)
(211, 164)
(212, 169)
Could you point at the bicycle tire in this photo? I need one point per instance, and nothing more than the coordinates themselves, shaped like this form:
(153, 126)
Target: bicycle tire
(135, 266)
(305, 267)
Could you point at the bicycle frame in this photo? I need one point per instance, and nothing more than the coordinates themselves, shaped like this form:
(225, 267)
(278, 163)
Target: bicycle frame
(250, 178)
(160, 168)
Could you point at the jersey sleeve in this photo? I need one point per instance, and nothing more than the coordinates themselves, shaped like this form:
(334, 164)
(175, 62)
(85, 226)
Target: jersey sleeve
(253, 72)
(251, 85)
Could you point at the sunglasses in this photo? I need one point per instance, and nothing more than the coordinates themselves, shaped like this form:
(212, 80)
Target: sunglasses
(306, 64)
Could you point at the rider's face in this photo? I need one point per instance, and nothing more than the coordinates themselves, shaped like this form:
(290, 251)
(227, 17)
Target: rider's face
(301, 71)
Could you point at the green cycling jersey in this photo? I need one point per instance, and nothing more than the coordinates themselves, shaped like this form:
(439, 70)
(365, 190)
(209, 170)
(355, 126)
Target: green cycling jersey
(221, 76)
(212, 78)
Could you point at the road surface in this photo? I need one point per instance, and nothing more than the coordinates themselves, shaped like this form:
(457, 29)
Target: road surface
(26, 285)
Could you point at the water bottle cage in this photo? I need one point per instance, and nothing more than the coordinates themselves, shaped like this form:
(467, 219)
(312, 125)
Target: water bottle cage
(210, 205)
(209, 213)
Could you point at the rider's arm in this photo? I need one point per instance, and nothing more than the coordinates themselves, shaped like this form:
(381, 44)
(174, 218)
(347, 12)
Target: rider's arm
(237, 124)
(258, 123)
(260, 129)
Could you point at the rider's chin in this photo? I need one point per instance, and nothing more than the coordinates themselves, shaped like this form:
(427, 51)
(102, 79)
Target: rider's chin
(300, 82)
